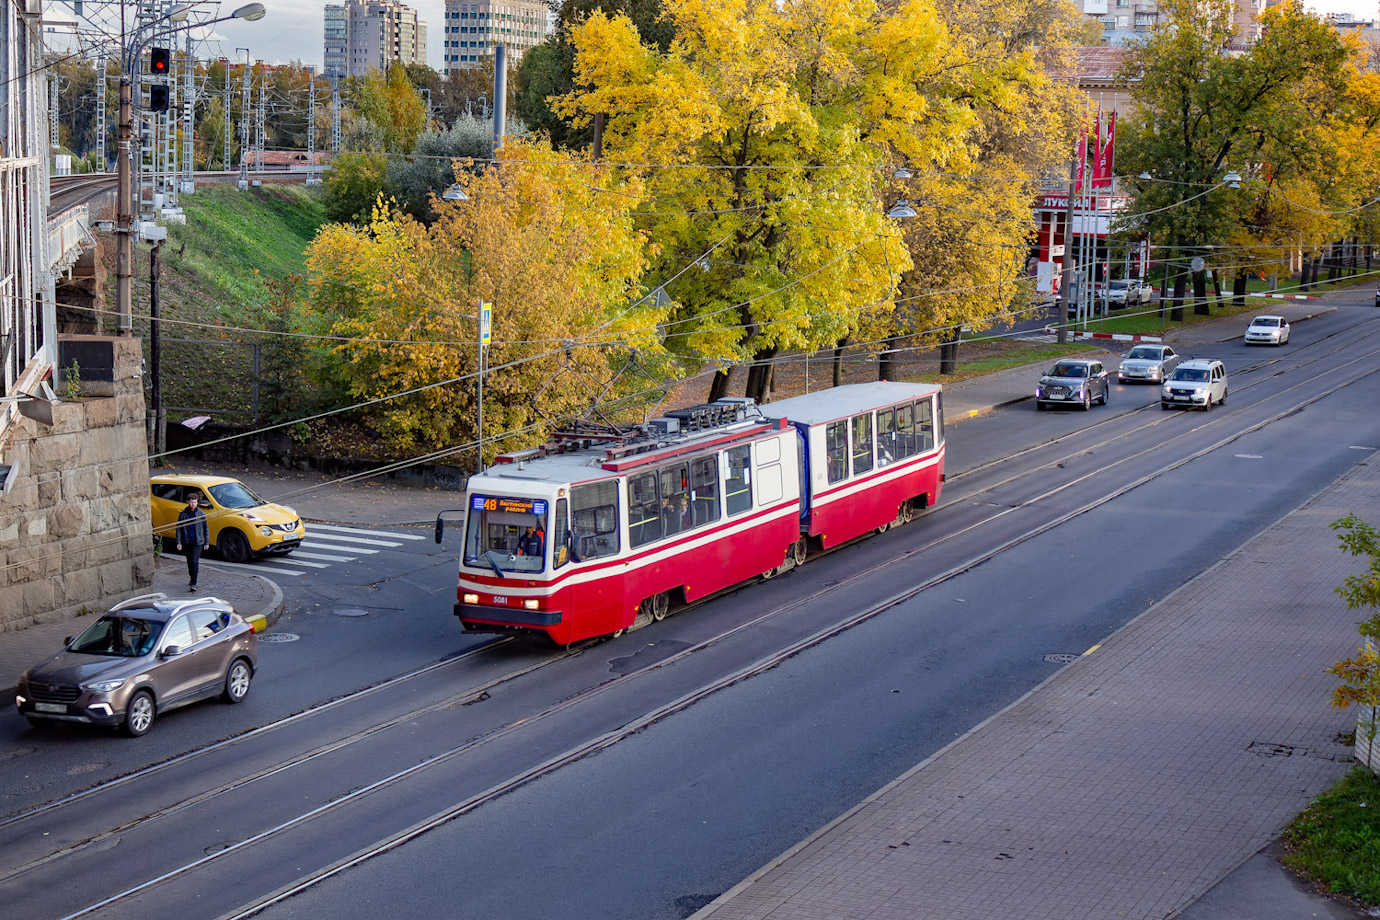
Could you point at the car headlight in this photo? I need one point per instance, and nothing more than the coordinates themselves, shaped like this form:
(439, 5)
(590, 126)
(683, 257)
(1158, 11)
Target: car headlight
(104, 686)
(266, 531)
(1166, 391)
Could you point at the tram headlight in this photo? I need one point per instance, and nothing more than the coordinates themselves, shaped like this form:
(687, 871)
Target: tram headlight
(469, 598)
(531, 603)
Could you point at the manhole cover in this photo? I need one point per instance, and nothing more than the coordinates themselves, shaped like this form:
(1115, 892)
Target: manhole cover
(279, 637)
(1062, 658)
(350, 612)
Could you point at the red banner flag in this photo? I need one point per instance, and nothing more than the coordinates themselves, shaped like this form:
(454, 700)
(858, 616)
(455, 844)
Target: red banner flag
(1106, 155)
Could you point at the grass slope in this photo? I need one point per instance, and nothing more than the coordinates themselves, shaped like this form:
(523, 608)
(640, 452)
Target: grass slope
(213, 271)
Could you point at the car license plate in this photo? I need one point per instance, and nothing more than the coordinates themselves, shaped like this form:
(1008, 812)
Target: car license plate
(50, 707)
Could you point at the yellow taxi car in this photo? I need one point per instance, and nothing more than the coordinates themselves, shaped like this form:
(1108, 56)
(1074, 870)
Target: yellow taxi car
(240, 523)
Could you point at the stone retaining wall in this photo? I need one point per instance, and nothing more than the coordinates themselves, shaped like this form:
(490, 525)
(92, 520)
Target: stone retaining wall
(74, 526)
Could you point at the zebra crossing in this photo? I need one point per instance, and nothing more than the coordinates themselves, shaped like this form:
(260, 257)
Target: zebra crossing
(323, 546)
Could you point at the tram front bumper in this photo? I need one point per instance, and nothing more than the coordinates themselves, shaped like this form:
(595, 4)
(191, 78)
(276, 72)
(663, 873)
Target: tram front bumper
(515, 615)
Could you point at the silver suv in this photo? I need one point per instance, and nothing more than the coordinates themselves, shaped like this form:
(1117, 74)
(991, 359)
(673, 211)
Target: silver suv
(146, 656)
(1195, 383)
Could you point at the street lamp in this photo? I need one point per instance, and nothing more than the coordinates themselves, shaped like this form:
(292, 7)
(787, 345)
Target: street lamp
(901, 209)
(124, 260)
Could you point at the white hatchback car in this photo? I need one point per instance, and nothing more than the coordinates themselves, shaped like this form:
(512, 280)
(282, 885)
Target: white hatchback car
(1267, 330)
(1195, 383)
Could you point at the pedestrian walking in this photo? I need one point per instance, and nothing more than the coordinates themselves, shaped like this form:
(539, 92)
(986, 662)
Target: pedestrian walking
(192, 536)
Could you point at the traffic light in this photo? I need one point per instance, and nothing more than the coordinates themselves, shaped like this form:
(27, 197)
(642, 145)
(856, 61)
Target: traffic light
(158, 98)
(159, 59)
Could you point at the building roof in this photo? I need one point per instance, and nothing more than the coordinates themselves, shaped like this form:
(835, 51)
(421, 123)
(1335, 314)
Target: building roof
(1098, 63)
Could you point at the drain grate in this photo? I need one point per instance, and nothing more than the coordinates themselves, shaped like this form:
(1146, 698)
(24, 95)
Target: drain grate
(1062, 658)
(278, 637)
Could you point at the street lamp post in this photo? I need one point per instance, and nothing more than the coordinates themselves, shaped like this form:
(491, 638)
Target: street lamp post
(124, 201)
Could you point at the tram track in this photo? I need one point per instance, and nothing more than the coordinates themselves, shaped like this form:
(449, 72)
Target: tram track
(601, 741)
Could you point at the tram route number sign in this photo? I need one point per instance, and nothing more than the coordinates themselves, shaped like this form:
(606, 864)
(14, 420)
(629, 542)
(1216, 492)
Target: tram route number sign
(535, 506)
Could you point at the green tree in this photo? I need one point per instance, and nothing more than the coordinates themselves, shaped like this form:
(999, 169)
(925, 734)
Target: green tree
(413, 180)
(1360, 676)
(353, 183)
(1202, 112)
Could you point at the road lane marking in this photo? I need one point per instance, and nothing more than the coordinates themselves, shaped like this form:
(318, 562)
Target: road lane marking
(323, 543)
(301, 554)
(257, 568)
(334, 537)
(372, 533)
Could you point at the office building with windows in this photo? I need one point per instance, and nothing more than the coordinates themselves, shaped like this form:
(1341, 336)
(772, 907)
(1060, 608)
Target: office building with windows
(334, 63)
(473, 27)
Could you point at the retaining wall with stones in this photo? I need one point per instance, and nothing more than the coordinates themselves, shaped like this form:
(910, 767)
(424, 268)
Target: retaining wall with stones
(74, 519)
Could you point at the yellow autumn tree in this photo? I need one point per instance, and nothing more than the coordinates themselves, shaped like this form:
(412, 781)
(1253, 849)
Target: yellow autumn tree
(555, 253)
(768, 133)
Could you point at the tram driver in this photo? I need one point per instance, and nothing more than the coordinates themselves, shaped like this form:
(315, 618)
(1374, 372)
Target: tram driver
(531, 542)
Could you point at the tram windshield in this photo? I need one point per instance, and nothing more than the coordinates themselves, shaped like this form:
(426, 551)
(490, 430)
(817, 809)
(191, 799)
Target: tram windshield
(506, 534)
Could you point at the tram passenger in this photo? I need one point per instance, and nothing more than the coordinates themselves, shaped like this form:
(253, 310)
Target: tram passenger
(531, 542)
(670, 518)
(687, 519)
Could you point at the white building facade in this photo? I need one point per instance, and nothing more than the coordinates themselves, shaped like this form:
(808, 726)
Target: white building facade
(474, 27)
(364, 35)
(28, 333)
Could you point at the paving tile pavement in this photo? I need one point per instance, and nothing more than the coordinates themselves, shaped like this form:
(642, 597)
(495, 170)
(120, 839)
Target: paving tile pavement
(1128, 784)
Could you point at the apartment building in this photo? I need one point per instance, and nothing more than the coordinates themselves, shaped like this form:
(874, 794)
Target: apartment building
(334, 62)
(361, 35)
(1125, 20)
(473, 27)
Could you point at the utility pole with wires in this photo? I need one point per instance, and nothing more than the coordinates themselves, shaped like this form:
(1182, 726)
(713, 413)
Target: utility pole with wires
(188, 183)
(54, 94)
(244, 123)
(335, 118)
(101, 127)
(226, 121)
(259, 144)
(311, 131)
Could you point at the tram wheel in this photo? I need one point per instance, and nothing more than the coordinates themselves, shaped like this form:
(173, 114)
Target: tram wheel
(907, 512)
(656, 606)
(798, 551)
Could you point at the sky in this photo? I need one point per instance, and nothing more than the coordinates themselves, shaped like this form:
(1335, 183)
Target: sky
(292, 29)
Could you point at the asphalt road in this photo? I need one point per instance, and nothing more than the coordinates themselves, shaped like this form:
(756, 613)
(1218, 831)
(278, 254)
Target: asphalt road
(1055, 529)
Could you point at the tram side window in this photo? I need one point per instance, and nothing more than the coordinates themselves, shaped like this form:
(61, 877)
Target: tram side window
(738, 485)
(886, 437)
(836, 451)
(939, 417)
(594, 519)
(675, 498)
(704, 490)
(905, 431)
(644, 509)
(926, 413)
(862, 443)
(560, 530)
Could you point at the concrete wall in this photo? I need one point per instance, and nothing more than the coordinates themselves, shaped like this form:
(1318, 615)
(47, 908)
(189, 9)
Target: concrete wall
(74, 525)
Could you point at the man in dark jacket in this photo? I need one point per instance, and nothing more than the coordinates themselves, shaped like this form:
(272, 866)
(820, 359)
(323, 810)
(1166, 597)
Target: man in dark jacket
(192, 536)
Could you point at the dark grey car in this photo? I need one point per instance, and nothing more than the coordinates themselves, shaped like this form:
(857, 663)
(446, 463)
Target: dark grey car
(1074, 382)
(146, 656)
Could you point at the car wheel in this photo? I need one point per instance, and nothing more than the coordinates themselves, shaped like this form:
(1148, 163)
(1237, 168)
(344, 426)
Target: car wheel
(1164, 406)
(1087, 400)
(1106, 394)
(233, 546)
(237, 681)
(1223, 400)
(139, 714)
(1039, 406)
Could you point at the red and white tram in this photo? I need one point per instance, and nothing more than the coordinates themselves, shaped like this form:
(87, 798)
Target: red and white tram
(592, 534)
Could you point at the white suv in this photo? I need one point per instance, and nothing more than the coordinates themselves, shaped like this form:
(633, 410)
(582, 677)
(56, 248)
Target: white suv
(1195, 383)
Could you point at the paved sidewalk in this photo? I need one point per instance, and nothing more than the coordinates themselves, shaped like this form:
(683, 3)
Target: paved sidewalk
(1131, 782)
